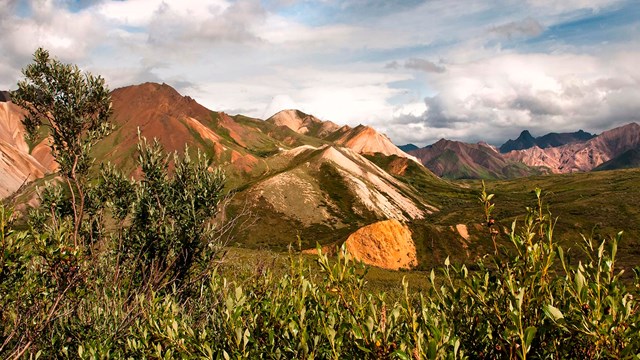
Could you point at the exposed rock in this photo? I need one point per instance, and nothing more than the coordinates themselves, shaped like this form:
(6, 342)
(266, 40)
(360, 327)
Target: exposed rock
(386, 244)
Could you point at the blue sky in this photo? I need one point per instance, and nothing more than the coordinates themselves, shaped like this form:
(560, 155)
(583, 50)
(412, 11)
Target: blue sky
(416, 70)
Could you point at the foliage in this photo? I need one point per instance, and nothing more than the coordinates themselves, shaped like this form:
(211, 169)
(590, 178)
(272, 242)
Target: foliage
(75, 108)
(169, 231)
(528, 301)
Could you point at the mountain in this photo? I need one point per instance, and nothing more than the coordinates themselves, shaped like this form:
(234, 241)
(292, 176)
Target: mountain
(628, 159)
(5, 96)
(559, 139)
(524, 141)
(18, 163)
(408, 147)
(366, 140)
(303, 123)
(527, 141)
(581, 156)
(317, 182)
(325, 193)
(238, 144)
(458, 160)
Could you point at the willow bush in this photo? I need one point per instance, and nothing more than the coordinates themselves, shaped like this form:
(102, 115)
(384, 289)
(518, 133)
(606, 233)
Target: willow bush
(527, 301)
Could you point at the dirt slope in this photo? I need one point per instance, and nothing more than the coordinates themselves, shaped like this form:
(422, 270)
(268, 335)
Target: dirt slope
(386, 244)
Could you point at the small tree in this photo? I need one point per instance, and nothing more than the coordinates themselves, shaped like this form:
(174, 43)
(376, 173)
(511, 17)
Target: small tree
(74, 107)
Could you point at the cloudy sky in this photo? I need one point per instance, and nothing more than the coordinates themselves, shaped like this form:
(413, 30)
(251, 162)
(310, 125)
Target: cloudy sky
(416, 70)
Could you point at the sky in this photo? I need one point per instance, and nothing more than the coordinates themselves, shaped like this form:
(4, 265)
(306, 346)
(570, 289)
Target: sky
(416, 70)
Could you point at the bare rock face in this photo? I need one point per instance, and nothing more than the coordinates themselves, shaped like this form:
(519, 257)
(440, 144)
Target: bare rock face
(386, 244)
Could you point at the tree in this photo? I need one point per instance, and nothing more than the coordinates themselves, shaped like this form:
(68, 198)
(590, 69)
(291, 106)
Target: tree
(74, 106)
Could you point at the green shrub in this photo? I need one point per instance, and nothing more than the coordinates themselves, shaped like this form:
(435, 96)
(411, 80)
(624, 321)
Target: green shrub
(527, 301)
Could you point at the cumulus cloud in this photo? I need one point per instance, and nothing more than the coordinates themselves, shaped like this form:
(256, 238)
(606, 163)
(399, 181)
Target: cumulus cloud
(361, 61)
(495, 98)
(68, 35)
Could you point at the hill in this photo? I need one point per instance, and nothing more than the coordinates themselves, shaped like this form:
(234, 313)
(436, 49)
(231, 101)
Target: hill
(323, 194)
(458, 160)
(366, 140)
(303, 123)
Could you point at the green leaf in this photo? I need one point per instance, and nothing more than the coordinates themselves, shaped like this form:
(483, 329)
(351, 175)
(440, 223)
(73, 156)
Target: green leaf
(553, 312)
(580, 281)
(401, 355)
(529, 334)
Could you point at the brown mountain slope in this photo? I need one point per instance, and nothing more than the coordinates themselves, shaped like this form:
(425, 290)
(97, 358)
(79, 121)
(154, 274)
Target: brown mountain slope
(17, 166)
(585, 156)
(458, 160)
(159, 111)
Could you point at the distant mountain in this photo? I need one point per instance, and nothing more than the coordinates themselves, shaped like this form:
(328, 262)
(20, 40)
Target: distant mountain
(408, 147)
(527, 141)
(582, 156)
(366, 140)
(4, 96)
(303, 123)
(628, 159)
(458, 160)
(524, 141)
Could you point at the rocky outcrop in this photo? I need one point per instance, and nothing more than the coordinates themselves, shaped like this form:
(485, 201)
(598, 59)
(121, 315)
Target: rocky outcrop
(386, 244)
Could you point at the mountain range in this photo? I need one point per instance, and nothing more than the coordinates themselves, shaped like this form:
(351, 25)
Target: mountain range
(526, 140)
(552, 153)
(302, 176)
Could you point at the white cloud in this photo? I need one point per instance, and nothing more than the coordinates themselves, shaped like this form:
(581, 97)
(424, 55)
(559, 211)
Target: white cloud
(495, 98)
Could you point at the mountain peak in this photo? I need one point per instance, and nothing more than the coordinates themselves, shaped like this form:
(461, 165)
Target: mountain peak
(303, 123)
(365, 139)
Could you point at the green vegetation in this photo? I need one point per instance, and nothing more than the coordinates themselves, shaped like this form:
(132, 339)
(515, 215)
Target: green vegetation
(75, 108)
(529, 300)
